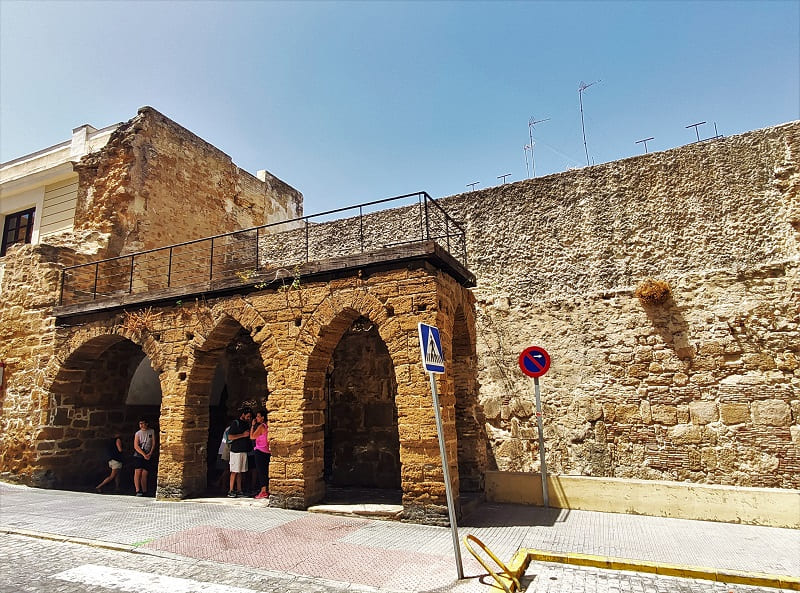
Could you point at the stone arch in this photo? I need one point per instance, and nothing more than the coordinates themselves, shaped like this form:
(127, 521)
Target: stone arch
(77, 348)
(237, 350)
(469, 419)
(305, 398)
(87, 405)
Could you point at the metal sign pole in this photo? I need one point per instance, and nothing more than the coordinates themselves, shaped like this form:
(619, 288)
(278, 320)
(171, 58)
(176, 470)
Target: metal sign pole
(545, 496)
(448, 488)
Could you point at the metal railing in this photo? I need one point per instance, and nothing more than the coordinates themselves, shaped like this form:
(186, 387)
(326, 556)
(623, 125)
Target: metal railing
(278, 246)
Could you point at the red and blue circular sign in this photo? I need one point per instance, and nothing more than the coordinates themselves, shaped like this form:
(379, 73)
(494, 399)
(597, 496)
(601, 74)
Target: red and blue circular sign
(534, 361)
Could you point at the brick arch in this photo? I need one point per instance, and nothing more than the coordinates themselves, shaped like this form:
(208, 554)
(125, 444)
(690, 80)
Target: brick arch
(230, 313)
(334, 315)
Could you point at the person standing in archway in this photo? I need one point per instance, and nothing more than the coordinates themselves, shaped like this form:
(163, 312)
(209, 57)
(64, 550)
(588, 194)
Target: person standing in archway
(143, 449)
(114, 455)
(259, 432)
(239, 436)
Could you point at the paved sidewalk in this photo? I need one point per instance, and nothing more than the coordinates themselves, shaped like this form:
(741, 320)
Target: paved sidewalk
(388, 555)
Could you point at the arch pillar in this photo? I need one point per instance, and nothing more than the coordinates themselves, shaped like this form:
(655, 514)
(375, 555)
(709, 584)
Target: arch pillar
(182, 439)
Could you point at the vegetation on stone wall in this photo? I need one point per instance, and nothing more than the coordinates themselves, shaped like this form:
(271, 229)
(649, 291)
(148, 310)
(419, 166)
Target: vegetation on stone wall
(652, 292)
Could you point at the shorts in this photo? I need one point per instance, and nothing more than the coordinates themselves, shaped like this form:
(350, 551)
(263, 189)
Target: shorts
(114, 464)
(238, 463)
(141, 463)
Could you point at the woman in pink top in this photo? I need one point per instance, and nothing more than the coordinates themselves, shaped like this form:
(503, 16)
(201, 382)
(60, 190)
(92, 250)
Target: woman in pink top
(259, 432)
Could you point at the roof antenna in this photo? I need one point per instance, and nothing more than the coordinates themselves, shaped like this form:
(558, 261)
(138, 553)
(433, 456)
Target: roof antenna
(700, 123)
(527, 166)
(582, 88)
(472, 185)
(503, 177)
(532, 124)
(645, 140)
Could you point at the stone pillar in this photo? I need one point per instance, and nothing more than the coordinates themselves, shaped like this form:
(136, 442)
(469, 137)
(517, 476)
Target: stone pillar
(183, 438)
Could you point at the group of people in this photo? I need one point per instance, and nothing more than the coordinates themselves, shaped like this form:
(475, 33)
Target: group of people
(143, 450)
(247, 434)
(244, 436)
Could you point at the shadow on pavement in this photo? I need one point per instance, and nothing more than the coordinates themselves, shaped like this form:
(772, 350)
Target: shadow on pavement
(490, 514)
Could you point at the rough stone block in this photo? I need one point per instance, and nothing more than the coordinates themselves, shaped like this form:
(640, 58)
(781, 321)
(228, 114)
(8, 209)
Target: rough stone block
(663, 414)
(628, 414)
(771, 412)
(734, 413)
(684, 434)
(703, 412)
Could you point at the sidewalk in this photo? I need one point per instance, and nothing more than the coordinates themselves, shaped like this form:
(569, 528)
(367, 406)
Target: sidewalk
(389, 555)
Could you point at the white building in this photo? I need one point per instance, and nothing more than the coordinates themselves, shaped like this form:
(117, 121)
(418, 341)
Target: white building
(38, 191)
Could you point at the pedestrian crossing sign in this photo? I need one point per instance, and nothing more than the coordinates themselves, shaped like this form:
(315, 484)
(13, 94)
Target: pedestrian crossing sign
(431, 347)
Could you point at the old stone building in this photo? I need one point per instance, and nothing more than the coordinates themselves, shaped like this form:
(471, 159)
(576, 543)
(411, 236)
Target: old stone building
(665, 288)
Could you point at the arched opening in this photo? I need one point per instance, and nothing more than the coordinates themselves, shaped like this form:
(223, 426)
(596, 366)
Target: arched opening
(100, 392)
(362, 444)
(228, 373)
(470, 429)
(351, 416)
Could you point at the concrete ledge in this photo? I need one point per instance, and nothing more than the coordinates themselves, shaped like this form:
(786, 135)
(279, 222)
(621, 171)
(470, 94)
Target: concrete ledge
(755, 579)
(773, 507)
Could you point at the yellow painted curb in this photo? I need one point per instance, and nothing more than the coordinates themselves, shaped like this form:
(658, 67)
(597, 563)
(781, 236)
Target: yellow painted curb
(756, 579)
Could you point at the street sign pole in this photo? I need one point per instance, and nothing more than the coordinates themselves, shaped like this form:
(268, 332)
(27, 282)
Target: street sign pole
(545, 495)
(448, 487)
(430, 344)
(534, 361)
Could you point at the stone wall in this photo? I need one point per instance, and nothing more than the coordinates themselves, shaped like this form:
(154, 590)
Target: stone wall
(155, 184)
(704, 387)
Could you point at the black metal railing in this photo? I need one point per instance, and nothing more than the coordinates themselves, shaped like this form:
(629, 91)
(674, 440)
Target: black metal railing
(278, 246)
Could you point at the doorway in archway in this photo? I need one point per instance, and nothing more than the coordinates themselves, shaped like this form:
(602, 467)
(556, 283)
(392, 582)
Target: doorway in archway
(362, 444)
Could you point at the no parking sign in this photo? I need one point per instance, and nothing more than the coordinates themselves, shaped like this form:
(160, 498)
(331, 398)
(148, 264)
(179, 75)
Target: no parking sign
(534, 361)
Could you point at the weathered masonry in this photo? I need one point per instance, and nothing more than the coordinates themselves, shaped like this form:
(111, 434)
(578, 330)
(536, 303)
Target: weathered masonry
(334, 359)
(700, 386)
(314, 319)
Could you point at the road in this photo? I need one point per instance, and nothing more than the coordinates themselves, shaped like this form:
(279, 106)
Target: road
(32, 565)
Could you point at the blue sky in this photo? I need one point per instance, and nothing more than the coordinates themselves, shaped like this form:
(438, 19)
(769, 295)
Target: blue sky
(355, 101)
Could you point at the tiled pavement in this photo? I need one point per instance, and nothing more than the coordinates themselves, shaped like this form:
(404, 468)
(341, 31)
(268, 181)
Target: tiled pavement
(389, 555)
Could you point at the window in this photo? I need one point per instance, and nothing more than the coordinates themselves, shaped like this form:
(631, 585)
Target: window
(18, 228)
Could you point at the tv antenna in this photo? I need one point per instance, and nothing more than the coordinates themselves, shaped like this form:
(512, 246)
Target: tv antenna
(503, 177)
(582, 88)
(700, 123)
(532, 124)
(645, 140)
(472, 185)
(527, 166)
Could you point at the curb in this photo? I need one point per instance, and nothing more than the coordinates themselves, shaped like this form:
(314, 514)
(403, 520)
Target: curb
(92, 543)
(756, 579)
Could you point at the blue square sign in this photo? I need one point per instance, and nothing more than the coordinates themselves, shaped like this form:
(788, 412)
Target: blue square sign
(431, 347)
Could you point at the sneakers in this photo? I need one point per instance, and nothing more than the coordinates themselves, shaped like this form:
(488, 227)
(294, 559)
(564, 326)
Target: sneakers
(231, 494)
(140, 494)
(240, 494)
(262, 495)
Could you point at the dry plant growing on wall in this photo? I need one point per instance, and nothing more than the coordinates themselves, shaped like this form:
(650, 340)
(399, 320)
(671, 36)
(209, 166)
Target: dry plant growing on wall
(652, 292)
(139, 320)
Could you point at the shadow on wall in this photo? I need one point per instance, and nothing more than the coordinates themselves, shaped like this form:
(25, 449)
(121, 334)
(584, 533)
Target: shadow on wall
(671, 326)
